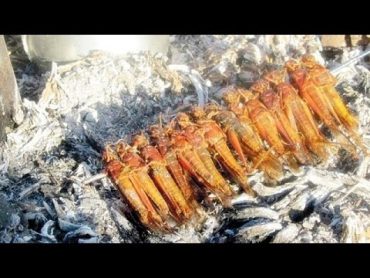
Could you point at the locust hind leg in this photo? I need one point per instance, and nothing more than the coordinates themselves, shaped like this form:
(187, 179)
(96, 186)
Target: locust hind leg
(235, 143)
(140, 203)
(237, 172)
(170, 190)
(269, 164)
(143, 182)
(191, 162)
(206, 158)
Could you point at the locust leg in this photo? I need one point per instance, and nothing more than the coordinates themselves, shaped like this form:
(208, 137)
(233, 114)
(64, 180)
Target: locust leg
(170, 190)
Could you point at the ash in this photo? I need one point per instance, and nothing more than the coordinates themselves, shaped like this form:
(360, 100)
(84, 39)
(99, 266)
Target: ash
(73, 110)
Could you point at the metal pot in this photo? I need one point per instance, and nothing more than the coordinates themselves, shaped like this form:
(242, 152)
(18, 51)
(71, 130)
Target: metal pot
(66, 48)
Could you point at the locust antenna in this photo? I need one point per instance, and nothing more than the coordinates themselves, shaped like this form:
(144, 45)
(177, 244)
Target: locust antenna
(160, 120)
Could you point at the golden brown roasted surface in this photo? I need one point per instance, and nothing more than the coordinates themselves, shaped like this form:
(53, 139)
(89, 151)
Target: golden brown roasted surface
(274, 125)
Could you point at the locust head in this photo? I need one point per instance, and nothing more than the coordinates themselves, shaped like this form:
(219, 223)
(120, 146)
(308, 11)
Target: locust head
(298, 77)
(292, 65)
(275, 77)
(198, 112)
(260, 86)
(270, 99)
(308, 61)
(183, 120)
(140, 141)
(231, 97)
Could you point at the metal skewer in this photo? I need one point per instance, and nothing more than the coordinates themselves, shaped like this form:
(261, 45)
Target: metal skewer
(94, 178)
(350, 61)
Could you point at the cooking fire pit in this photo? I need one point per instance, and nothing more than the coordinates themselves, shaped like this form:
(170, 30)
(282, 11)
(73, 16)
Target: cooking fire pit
(54, 183)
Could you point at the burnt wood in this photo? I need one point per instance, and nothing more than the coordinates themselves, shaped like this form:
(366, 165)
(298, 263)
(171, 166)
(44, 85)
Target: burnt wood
(10, 101)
